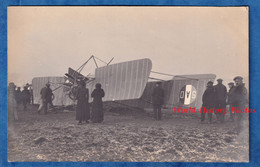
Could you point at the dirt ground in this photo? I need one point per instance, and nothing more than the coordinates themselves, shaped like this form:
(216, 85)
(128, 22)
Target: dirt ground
(124, 136)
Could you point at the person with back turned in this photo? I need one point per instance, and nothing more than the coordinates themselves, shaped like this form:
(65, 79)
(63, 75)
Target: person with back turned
(82, 110)
(46, 95)
(157, 100)
(97, 115)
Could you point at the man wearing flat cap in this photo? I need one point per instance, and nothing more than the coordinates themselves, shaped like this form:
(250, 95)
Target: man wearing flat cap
(240, 92)
(230, 97)
(240, 100)
(221, 96)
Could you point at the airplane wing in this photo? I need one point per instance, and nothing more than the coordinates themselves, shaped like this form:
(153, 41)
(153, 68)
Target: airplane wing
(123, 81)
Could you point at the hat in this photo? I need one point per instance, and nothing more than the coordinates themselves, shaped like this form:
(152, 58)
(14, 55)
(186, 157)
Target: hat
(47, 84)
(210, 82)
(220, 80)
(98, 86)
(238, 77)
(11, 84)
(231, 83)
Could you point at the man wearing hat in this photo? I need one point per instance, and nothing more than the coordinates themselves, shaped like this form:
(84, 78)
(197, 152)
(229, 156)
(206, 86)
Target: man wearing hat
(157, 100)
(18, 96)
(240, 93)
(230, 97)
(208, 101)
(26, 96)
(221, 96)
(46, 95)
(240, 100)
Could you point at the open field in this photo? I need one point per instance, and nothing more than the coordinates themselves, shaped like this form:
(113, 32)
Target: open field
(123, 136)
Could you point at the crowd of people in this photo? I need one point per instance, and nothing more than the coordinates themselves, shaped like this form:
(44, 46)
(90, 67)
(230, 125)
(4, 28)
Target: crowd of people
(218, 97)
(18, 97)
(83, 113)
(215, 96)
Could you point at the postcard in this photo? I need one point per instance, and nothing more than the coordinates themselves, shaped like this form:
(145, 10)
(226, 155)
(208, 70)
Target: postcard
(128, 83)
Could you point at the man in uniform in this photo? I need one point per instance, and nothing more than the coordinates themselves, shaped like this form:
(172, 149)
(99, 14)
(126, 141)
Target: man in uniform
(46, 95)
(240, 101)
(221, 96)
(230, 97)
(208, 101)
(157, 100)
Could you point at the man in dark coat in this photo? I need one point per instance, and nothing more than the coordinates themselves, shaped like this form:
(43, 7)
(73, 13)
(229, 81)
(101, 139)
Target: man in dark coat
(230, 97)
(221, 96)
(240, 101)
(46, 95)
(97, 115)
(157, 100)
(208, 101)
(18, 96)
(25, 97)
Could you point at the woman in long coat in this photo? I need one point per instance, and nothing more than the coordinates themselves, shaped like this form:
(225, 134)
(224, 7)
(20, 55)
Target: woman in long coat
(97, 115)
(82, 110)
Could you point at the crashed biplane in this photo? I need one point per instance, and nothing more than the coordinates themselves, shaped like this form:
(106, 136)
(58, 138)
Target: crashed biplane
(127, 84)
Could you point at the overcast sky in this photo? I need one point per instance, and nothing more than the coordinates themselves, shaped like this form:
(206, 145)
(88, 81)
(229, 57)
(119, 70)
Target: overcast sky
(45, 41)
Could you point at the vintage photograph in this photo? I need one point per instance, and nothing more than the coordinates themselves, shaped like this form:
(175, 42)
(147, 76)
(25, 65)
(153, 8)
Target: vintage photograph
(128, 83)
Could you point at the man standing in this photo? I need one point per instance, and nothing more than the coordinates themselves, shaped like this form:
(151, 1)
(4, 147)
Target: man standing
(18, 96)
(230, 97)
(12, 106)
(208, 101)
(25, 97)
(240, 101)
(157, 100)
(221, 96)
(46, 95)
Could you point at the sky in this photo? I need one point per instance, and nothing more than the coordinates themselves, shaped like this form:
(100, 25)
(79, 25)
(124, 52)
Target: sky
(45, 41)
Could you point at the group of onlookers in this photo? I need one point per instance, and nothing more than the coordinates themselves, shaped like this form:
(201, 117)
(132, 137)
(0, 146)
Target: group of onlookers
(217, 97)
(84, 113)
(16, 97)
(23, 97)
